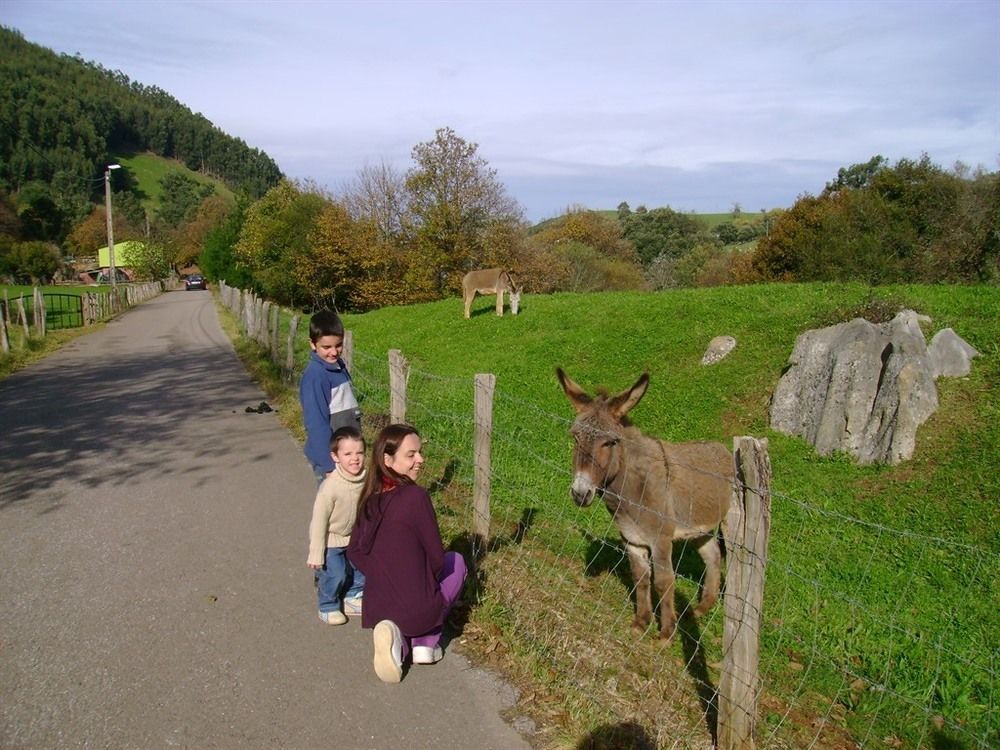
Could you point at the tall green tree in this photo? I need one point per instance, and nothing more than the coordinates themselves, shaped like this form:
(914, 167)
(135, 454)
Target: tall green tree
(180, 198)
(662, 231)
(275, 235)
(31, 262)
(218, 259)
(454, 198)
(909, 222)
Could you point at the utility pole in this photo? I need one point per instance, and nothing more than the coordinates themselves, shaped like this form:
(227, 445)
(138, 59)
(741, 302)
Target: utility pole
(111, 233)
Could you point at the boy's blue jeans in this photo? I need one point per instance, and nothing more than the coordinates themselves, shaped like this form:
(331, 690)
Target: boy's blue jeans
(338, 580)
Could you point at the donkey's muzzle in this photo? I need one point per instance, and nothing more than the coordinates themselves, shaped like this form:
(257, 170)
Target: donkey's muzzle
(582, 491)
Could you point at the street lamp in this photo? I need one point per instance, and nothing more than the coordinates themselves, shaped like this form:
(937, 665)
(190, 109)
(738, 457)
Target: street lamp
(111, 234)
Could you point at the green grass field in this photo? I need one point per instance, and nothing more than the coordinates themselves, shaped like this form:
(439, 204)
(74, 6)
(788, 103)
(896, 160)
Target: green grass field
(61, 327)
(148, 169)
(60, 311)
(880, 619)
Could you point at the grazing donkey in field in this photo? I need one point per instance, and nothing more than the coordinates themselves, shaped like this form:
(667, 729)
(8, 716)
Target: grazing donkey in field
(655, 491)
(490, 281)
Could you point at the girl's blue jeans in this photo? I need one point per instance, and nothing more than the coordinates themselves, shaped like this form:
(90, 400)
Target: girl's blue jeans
(337, 580)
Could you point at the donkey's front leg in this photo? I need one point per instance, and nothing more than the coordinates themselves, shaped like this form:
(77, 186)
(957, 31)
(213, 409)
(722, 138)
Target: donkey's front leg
(500, 302)
(663, 570)
(638, 560)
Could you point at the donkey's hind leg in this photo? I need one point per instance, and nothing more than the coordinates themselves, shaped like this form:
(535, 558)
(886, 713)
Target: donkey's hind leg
(638, 559)
(712, 556)
(468, 303)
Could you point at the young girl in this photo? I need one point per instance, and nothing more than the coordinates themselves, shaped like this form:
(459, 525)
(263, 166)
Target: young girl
(333, 517)
(411, 582)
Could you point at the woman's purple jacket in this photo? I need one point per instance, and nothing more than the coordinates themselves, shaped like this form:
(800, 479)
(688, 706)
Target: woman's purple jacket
(396, 543)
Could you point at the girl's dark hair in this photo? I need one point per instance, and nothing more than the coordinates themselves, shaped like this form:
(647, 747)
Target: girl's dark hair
(348, 432)
(380, 475)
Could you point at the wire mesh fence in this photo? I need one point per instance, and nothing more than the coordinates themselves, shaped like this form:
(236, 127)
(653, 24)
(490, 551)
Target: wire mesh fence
(872, 634)
(857, 647)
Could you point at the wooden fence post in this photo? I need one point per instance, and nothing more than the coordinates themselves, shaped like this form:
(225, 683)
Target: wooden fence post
(348, 352)
(399, 370)
(746, 531)
(261, 315)
(290, 351)
(39, 312)
(24, 318)
(264, 326)
(43, 323)
(4, 340)
(273, 344)
(485, 386)
(246, 313)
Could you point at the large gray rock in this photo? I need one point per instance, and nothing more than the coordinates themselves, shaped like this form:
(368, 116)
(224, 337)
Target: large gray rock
(858, 387)
(950, 355)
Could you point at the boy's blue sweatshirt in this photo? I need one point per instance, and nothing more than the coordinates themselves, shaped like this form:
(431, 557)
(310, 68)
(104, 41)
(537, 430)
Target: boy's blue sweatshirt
(328, 403)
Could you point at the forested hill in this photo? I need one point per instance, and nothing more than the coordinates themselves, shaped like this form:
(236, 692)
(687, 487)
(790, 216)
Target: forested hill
(62, 119)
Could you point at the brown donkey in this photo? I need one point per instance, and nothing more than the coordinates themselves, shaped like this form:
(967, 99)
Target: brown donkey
(655, 491)
(490, 281)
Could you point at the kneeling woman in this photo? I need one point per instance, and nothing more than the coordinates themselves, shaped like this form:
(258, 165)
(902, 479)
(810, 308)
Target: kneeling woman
(411, 583)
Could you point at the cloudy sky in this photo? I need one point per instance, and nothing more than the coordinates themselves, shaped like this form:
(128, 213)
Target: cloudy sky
(693, 105)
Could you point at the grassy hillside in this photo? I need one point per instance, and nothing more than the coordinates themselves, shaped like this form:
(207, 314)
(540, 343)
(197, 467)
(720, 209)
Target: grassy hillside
(148, 169)
(881, 606)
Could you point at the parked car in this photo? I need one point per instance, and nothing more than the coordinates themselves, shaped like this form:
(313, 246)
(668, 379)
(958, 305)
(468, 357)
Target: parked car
(195, 282)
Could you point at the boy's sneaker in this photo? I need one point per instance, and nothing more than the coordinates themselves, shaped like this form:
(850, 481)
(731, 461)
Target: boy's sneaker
(388, 651)
(427, 655)
(336, 617)
(352, 606)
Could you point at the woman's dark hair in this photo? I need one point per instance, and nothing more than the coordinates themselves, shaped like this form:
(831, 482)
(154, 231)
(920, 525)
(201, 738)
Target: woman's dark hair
(379, 475)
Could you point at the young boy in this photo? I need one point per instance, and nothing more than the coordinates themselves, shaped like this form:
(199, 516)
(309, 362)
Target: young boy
(334, 512)
(325, 391)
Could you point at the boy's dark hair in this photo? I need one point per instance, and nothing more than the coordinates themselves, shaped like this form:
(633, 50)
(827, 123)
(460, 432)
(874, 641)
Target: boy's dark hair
(349, 432)
(325, 323)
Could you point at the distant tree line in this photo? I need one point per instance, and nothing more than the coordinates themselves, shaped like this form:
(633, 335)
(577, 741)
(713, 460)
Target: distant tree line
(399, 238)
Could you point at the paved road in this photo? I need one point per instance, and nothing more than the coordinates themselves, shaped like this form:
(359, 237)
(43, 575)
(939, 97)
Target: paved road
(153, 587)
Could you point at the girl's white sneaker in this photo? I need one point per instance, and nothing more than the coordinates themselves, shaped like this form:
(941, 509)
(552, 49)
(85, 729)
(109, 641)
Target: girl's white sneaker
(427, 655)
(388, 651)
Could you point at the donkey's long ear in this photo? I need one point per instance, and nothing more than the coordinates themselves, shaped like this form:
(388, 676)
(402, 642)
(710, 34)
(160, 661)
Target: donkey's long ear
(625, 401)
(573, 392)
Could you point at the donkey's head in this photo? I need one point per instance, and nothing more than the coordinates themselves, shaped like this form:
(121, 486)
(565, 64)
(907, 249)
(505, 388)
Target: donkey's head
(515, 300)
(597, 434)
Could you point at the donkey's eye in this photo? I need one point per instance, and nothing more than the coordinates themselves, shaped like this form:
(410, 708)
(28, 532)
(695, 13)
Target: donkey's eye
(611, 443)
